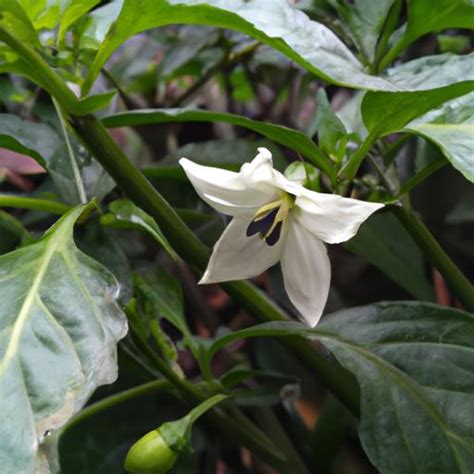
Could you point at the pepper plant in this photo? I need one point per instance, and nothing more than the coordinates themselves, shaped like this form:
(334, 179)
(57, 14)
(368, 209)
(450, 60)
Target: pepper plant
(130, 130)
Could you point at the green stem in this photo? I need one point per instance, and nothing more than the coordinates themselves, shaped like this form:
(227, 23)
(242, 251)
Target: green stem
(191, 249)
(150, 388)
(388, 29)
(395, 51)
(205, 406)
(241, 430)
(433, 251)
(419, 177)
(350, 169)
(43, 74)
(45, 205)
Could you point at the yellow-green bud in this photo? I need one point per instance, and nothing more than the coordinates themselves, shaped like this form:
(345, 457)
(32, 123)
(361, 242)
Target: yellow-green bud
(150, 455)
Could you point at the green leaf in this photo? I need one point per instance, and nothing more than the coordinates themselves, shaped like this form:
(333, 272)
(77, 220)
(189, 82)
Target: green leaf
(385, 243)
(384, 113)
(274, 22)
(431, 72)
(328, 125)
(451, 128)
(414, 365)
(165, 295)
(387, 112)
(425, 16)
(14, 19)
(74, 10)
(60, 325)
(125, 212)
(288, 137)
(365, 18)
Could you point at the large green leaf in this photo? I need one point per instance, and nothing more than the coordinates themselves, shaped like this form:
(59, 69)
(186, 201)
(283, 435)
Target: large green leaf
(385, 243)
(59, 326)
(288, 137)
(273, 22)
(431, 72)
(451, 128)
(415, 366)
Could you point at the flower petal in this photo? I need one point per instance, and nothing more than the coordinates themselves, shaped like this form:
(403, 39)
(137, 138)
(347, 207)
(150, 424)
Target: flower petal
(226, 191)
(236, 256)
(306, 272)
(332, 218)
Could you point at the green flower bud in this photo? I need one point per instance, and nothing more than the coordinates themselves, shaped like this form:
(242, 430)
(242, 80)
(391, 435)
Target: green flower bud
(158, 451)
(150, 455)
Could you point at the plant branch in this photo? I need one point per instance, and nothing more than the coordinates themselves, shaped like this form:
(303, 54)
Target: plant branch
(433, 251)
(150, 388)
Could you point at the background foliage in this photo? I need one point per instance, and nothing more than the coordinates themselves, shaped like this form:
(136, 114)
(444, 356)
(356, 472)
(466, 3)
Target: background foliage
(99, 100)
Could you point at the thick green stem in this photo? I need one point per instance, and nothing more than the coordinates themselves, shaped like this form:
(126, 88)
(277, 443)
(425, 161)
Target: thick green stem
(45, 205)
(138, 188)
(433, 251)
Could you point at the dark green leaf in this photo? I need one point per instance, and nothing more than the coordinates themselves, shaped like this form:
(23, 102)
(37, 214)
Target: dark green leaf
(385, 243)
(415, 365)
(294, 139)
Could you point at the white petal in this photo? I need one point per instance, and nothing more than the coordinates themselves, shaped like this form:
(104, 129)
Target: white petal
(332, 218)
(224, 190)
(236, 256)
(306, 272)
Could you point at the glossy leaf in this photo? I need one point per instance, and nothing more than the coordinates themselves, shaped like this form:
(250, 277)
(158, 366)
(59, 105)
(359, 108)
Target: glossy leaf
(385, 243)
(288, 137)
(431, 72)
(60, 325)
(451, 128)
(274, 22)
(414, 365)
(125, 214)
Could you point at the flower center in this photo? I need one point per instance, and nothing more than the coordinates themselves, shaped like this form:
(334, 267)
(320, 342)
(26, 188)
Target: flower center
(268, 220)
